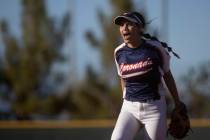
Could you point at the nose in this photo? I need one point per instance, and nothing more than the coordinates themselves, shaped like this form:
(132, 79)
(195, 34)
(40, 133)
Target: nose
(124, 27)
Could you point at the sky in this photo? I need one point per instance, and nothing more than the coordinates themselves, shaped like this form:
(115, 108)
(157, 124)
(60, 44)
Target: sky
(188, 28)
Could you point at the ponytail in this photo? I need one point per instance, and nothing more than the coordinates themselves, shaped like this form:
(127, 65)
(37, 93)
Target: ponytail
(163, 44)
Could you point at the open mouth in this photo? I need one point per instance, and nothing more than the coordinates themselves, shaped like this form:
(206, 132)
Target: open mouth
(126, 34)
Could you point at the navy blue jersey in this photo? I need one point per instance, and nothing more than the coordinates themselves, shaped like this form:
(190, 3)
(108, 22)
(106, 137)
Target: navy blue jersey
(141, 69)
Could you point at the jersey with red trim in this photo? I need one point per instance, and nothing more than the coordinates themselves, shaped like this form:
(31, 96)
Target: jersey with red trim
(141, 69)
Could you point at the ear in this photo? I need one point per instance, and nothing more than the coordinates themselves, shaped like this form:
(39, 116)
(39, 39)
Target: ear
(142, 30)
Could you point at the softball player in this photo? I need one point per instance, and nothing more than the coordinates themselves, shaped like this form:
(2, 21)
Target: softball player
(143, 66)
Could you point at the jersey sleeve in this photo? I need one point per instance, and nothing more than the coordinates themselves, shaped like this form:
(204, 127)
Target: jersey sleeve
(164, 55)
(116, 58)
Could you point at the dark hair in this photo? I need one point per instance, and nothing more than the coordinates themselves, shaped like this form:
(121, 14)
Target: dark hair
(163, 44)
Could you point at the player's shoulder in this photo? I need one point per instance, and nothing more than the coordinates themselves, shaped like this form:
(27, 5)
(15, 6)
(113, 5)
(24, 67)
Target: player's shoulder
(157, 45)
(153, 43)
(119, 47)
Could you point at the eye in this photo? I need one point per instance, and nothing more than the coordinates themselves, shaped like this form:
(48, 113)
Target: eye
(121, 23)
(130, 25)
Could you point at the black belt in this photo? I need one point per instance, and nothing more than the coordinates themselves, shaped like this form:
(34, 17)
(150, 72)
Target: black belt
(150, 100)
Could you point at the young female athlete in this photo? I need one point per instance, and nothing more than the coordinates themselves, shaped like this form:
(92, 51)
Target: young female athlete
(143, 66)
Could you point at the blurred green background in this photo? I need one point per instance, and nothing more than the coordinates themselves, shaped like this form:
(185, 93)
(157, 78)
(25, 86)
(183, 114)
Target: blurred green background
(56, 63)
(56, 57)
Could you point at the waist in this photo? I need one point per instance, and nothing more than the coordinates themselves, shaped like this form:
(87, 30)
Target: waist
(146, 100)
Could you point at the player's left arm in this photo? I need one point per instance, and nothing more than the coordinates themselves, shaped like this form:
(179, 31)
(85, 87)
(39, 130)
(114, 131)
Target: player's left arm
(166, 72)
(171, 85)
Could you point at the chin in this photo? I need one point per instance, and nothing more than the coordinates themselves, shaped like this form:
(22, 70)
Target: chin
(126, 40)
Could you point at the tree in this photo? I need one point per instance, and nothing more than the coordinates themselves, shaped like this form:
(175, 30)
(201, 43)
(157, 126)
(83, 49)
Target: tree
(28, 61)
(110, 39)
(108, 76)
(196, 89)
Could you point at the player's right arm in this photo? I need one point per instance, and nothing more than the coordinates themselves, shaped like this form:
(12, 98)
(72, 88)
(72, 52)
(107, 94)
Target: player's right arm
(118, 67)
(122, 84)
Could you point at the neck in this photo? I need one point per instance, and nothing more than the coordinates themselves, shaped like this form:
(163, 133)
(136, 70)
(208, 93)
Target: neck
(135, 43)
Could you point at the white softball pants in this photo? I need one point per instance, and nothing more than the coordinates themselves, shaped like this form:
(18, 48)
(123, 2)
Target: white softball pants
(151, 116)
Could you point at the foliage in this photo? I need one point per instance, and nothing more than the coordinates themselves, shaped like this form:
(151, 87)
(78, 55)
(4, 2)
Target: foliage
(196, 86)
(28, 61)
(110, 39)
(111, 95)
